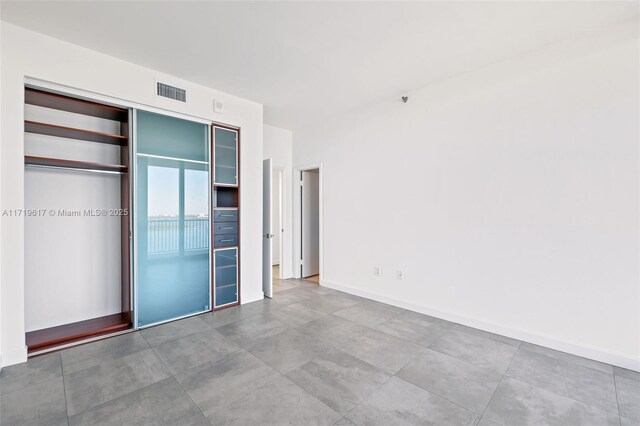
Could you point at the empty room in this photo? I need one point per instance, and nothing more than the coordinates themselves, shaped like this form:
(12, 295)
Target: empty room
(368, 213)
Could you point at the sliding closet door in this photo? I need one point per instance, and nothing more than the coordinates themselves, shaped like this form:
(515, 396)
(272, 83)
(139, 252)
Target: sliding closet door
(172, 218)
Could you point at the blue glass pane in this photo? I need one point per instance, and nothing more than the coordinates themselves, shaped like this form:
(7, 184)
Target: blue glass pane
(173, 238)
(171, 137)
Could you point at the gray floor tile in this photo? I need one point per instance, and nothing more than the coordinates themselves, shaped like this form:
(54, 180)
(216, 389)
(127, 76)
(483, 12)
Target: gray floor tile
(420, 329)
(481, 333)
(368, 313)
(84, 356)
(331, 303)
(382, 350)
(629, 374)
(38, 404)
(517, 403)
(628, 398)
(297, 314)
(457, 381)
(222, 317)
(563, 356)
(279, 403)
(122, 380)
(162, 403)
(476, 349)
(314, 290)
(288, 350)
(32, 372)
(486, 422)
(103, 382)
(338, 379)
(246, 331)
(332, 329)
(233, 314)
(291, 296)
(592, 387)
(344, 422)
(400, 403)
(322, 290)
(174, 330)
(215, 384)
(259, 307)
(281, 285)
(195, 349)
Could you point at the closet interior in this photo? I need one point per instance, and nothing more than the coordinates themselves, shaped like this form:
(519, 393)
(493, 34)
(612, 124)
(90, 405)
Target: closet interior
(76, 219)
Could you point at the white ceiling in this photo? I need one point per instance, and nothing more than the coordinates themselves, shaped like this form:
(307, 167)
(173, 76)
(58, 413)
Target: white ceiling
(304, 60)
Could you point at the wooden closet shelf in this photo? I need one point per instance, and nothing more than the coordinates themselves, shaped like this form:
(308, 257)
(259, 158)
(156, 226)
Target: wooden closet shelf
(73, 133)
(55, 336)
(74, 164)
(78, 106)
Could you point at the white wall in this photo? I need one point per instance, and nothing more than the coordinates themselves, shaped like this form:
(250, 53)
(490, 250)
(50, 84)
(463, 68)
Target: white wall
(29, 54)
(278, 146)
(1, 56)
(509, 197)
(74, 261)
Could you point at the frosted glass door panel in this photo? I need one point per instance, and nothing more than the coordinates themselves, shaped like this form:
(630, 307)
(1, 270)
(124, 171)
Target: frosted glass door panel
(171, 137)
(226, 156)
(172, 232)
(226, 276)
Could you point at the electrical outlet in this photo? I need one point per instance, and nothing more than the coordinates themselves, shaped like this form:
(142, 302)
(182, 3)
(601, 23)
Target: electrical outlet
(377, 271)
(399, 274)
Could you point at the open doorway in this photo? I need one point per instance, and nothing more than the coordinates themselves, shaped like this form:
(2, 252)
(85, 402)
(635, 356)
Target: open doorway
(310, 224)
(277, 226)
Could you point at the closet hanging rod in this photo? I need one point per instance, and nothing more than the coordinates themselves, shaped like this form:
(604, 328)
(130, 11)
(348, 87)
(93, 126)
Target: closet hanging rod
(75, 169)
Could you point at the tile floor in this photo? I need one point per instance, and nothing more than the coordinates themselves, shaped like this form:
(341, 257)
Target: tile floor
(314, 356)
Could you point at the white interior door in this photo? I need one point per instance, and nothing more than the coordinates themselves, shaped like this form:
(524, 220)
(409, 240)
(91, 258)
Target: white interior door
(310, 223)
(267, 234)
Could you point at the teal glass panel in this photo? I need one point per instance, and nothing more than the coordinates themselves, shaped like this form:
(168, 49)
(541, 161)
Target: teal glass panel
(226, 276)
(226, 156)
(171, 137)
(173, 236)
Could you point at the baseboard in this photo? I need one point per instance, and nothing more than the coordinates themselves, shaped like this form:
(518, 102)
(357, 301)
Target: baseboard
(618, 360)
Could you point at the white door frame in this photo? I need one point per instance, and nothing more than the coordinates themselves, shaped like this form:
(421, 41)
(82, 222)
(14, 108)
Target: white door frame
(297, 219)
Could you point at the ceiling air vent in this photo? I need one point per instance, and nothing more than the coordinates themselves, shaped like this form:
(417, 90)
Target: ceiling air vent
(171, 92)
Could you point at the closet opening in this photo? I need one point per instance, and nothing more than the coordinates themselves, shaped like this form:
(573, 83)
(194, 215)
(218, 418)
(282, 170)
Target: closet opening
(77, 279)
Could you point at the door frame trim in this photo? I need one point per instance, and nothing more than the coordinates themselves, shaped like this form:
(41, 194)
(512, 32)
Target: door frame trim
(297, 217)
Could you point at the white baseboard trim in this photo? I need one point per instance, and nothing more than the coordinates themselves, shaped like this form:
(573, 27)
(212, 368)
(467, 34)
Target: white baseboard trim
(618, 360)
